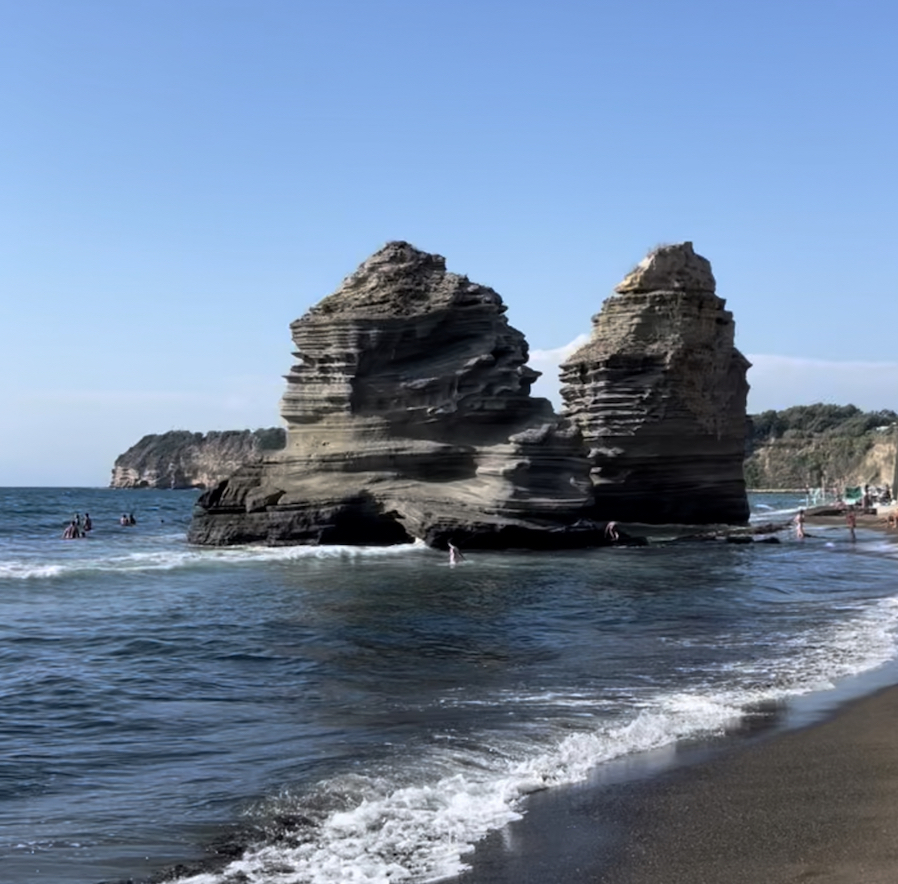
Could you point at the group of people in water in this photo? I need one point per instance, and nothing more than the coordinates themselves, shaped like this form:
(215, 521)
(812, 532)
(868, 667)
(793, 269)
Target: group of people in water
(80, 527)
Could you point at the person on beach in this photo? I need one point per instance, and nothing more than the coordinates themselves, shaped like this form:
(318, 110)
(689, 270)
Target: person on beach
(799, 525)
(611, 532)
(851, 521)
(455, 555)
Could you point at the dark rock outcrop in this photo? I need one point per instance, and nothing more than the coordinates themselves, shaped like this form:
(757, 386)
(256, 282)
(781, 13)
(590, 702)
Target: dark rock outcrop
(180, 459)
(409, 415)
(658, 394)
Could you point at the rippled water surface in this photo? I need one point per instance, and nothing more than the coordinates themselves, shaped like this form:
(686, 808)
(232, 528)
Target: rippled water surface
(368, 714)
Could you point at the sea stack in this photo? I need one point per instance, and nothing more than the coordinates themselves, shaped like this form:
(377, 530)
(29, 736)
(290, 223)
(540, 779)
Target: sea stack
(658, 394)
(409, 416)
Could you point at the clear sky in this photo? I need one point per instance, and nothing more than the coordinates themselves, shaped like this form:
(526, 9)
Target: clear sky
(179, 179)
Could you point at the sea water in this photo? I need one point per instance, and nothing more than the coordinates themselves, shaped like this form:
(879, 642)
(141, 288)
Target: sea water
(342, 714)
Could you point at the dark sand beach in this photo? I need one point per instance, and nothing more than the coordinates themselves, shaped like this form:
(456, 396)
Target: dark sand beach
(818, 804)
(875, 519)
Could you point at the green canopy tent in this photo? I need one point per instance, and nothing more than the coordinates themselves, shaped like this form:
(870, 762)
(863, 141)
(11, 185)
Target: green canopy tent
(853, 495)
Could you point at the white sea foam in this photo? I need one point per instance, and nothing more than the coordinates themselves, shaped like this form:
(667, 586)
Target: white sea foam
(423, 832)
(18, 570)
(191, 557)
(768, 514)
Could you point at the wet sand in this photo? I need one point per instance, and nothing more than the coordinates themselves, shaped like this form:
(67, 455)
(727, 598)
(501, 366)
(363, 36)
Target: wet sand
(817, 805)
(876, 520)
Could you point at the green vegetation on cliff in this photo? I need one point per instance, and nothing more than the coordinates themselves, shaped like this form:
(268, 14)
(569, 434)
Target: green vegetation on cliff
(820, 445)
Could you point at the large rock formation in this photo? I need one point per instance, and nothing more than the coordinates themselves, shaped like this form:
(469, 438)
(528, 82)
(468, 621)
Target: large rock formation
(409, 415)
(658, 394)
(181, 459)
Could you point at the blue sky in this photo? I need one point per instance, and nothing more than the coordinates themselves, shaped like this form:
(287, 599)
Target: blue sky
(179, 179)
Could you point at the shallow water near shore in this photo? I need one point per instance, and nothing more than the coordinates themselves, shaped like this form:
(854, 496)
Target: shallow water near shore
(360, 714)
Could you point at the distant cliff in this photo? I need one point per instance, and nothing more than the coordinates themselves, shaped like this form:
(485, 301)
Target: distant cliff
(799, 447)
(813, 446)
(181, 459)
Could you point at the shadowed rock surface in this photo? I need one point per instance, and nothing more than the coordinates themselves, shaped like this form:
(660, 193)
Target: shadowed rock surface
(409, 415)
(658, 394)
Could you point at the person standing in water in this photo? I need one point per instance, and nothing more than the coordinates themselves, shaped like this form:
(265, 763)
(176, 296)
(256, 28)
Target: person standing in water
(851, 521)
(455, 555)
(799, 525)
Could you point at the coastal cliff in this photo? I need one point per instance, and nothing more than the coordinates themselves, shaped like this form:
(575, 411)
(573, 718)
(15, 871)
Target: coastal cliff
(801, 447)
(814, 446)
(180, 459)
(409, 415)
(658, 394)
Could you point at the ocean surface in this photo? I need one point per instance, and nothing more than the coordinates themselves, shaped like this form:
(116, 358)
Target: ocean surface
(366, 714)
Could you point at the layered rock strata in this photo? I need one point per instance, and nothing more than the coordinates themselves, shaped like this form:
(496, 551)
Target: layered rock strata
(181, 459)
(409, 415)
(658, 394)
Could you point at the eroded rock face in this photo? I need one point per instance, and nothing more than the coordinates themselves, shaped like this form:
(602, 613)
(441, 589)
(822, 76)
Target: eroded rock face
(409, 415)
(658, 394)
(180, 459)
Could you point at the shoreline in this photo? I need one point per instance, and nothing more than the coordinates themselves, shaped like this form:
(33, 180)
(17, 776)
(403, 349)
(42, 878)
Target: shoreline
(799, 794)
(810, 804)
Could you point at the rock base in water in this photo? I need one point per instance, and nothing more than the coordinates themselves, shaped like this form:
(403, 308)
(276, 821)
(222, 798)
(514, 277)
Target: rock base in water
(409, 416)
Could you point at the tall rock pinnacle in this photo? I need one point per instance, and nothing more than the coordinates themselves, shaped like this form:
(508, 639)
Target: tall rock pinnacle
(658, 394)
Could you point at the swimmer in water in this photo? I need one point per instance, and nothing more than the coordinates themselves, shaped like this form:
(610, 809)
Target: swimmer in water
(455, 555)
